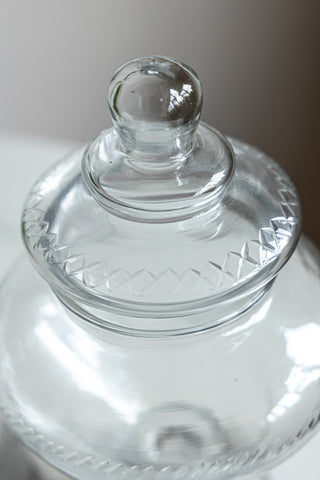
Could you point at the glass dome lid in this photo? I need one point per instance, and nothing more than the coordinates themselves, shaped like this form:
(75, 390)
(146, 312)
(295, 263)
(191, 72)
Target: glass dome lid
(160, 215)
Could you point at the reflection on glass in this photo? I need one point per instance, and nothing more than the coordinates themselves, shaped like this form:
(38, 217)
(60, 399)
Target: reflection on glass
(303, 347)
(84, 376)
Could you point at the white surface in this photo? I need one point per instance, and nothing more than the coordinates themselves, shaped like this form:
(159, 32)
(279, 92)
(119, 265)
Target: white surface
(22, 159)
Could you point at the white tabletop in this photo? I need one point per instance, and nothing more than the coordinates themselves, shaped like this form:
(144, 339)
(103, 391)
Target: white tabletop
(22, 159)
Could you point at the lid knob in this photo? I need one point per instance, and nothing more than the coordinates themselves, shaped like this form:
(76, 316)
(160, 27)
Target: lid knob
(158, 163)
(155, 104)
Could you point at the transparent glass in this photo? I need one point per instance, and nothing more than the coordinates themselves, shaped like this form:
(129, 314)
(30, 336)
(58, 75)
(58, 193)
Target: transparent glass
(226, 400)
(174, 332)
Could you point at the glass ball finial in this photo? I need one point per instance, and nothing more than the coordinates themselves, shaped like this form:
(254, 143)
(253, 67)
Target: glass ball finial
(155, 104)
(158, 162)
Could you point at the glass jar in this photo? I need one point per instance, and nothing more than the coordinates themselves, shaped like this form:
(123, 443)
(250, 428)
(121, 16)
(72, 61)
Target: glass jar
(174, 329)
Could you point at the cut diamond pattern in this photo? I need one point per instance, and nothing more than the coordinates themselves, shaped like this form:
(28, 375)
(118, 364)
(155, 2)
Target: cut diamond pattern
(211, 277)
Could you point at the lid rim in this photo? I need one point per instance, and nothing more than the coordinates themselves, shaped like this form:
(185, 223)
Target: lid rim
(156, 329)
(137, 309)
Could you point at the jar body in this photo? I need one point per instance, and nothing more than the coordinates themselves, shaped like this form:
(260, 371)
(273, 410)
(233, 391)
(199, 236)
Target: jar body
(221, 402)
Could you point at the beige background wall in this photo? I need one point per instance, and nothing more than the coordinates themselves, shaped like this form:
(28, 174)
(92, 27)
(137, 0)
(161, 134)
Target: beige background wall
(258, 61)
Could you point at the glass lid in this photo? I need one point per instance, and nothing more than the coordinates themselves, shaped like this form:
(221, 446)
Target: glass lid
(160, 215)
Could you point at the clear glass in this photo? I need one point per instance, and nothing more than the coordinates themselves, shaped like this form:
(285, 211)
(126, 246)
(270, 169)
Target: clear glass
(175, 331)
(118, 263)
(228, 400)
(160, 230)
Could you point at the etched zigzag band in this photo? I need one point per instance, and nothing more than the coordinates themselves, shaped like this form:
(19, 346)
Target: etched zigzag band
(236, 267)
